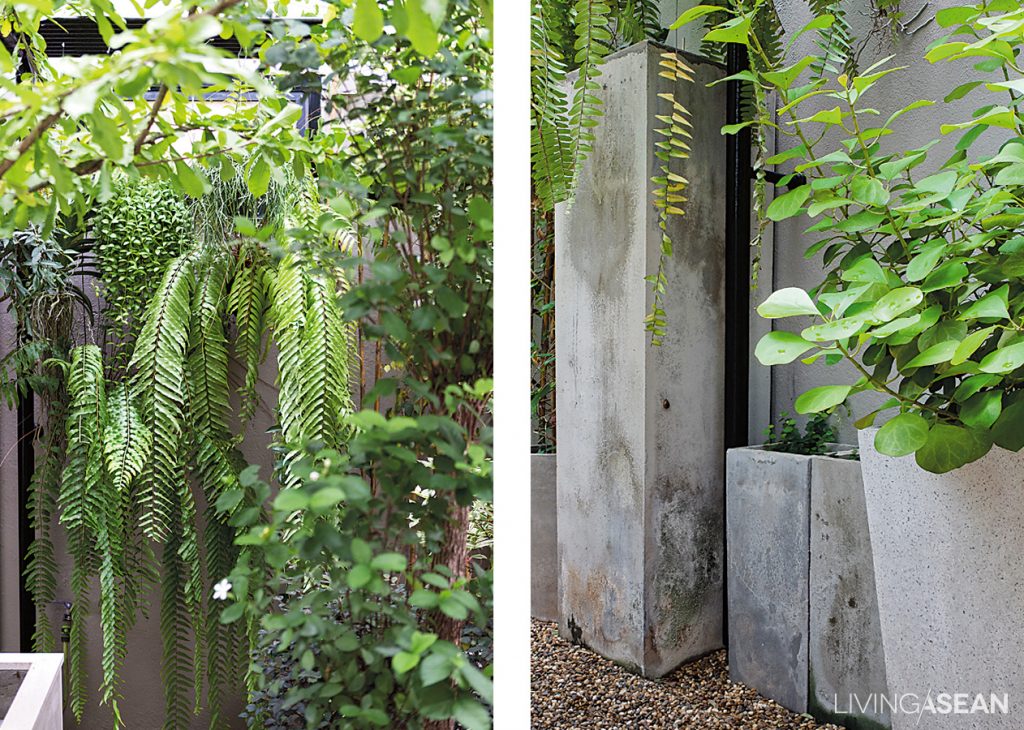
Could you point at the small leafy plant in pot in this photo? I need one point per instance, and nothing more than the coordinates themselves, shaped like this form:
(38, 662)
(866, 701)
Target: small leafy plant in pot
(923, 295)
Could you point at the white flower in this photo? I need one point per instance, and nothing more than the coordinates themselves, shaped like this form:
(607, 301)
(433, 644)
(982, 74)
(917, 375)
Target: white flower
(220, 591)
(314, 475)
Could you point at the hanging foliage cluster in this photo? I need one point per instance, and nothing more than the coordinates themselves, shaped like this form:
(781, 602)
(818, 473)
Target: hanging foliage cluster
(146, 449)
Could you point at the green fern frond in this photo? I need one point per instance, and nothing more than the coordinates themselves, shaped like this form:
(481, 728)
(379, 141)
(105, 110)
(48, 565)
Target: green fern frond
(249, 302)
(222, 640)
(127, 442)
(592, 38)
(176, 664)
(550, 143)
(207, 362)
(41, 569)
(159, 365)
(835, 42)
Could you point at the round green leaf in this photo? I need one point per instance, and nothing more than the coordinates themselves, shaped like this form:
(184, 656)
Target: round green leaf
(982, 409)
(368, 20)
(358, 576)
(290, 500)
(389, 562)
(788, 204)
(789, 302)
(949, 447)
(779, 348)
(403, 661)
(903, 434)
(897, 302)
(821, 398)
(1004, 360)
(839, 329)
(1008, 430)
(942, 352)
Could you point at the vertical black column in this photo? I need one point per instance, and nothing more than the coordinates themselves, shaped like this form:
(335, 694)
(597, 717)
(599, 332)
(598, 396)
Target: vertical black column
(26, 466)
(737, 278)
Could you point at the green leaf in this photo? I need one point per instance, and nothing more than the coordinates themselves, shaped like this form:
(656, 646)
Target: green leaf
(358, 576)
(868, 191)
(992, 305)
(839, 329)
(896, 302)
(389, 562)
(193, 182)
(937, 353)
(471, 714)
(821, 398)
(258, 180)
(291, 500)
(735, 30)
(788, 204)
(982, 409)
(368, 20)
(903, 434)
(950, 447)
(789, 302)
(435, 668)
(325, 499)
(970, 345)
(404, 661)
(693, 13)
(923, 263)
(1008, 430)
(82, 100)
(453, 608)
(778, 348)
(1004, 360)
(421, 30)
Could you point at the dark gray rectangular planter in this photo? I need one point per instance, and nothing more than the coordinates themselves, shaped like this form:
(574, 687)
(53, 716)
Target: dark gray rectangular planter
(543, 537)
(803, 615)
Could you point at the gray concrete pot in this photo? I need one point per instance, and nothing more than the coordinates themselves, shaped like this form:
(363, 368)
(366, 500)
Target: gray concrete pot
(950, 585)
(803, 624)
(543, 537)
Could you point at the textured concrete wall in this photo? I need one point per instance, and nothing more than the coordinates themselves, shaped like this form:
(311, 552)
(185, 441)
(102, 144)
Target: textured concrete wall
(543, 537)
(640, 482)
(950, 581)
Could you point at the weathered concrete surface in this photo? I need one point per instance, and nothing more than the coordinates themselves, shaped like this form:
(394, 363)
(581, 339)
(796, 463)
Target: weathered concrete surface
(803, 620)
(768, 505)
(950, 580)
(543, 537)
(845, 656)
(640, 480)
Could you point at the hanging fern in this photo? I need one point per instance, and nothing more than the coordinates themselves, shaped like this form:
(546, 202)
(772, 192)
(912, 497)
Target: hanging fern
(249, 302)
(159, 365)
(550, 140)
(592, 45)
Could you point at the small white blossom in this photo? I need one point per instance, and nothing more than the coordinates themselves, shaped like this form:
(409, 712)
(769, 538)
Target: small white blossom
(314, 475)
(220, 591)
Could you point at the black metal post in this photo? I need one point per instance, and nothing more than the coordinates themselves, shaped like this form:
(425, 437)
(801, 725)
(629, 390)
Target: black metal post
(26, 466)
(737, 276)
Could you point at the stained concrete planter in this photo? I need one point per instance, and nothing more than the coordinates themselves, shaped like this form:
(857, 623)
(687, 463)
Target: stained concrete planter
(803, 622)
(36, 705)
(543, 537)
(950, 582)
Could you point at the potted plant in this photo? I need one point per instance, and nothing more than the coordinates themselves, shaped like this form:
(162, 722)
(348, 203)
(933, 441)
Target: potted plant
(802, 611)
(923, 295)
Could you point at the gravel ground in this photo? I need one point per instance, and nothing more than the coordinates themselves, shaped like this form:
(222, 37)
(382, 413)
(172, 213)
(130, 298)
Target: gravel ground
(574, 688)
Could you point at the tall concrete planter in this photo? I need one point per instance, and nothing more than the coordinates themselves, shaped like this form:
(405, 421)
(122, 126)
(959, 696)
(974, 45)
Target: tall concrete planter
(544, 537)
(950, 583)
(803, 622)
(640, 472)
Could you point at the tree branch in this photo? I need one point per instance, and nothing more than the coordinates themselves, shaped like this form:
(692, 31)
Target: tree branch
(157, 103)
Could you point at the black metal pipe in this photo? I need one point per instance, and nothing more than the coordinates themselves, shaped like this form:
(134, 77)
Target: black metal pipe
(26, 466)
(737, 279)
